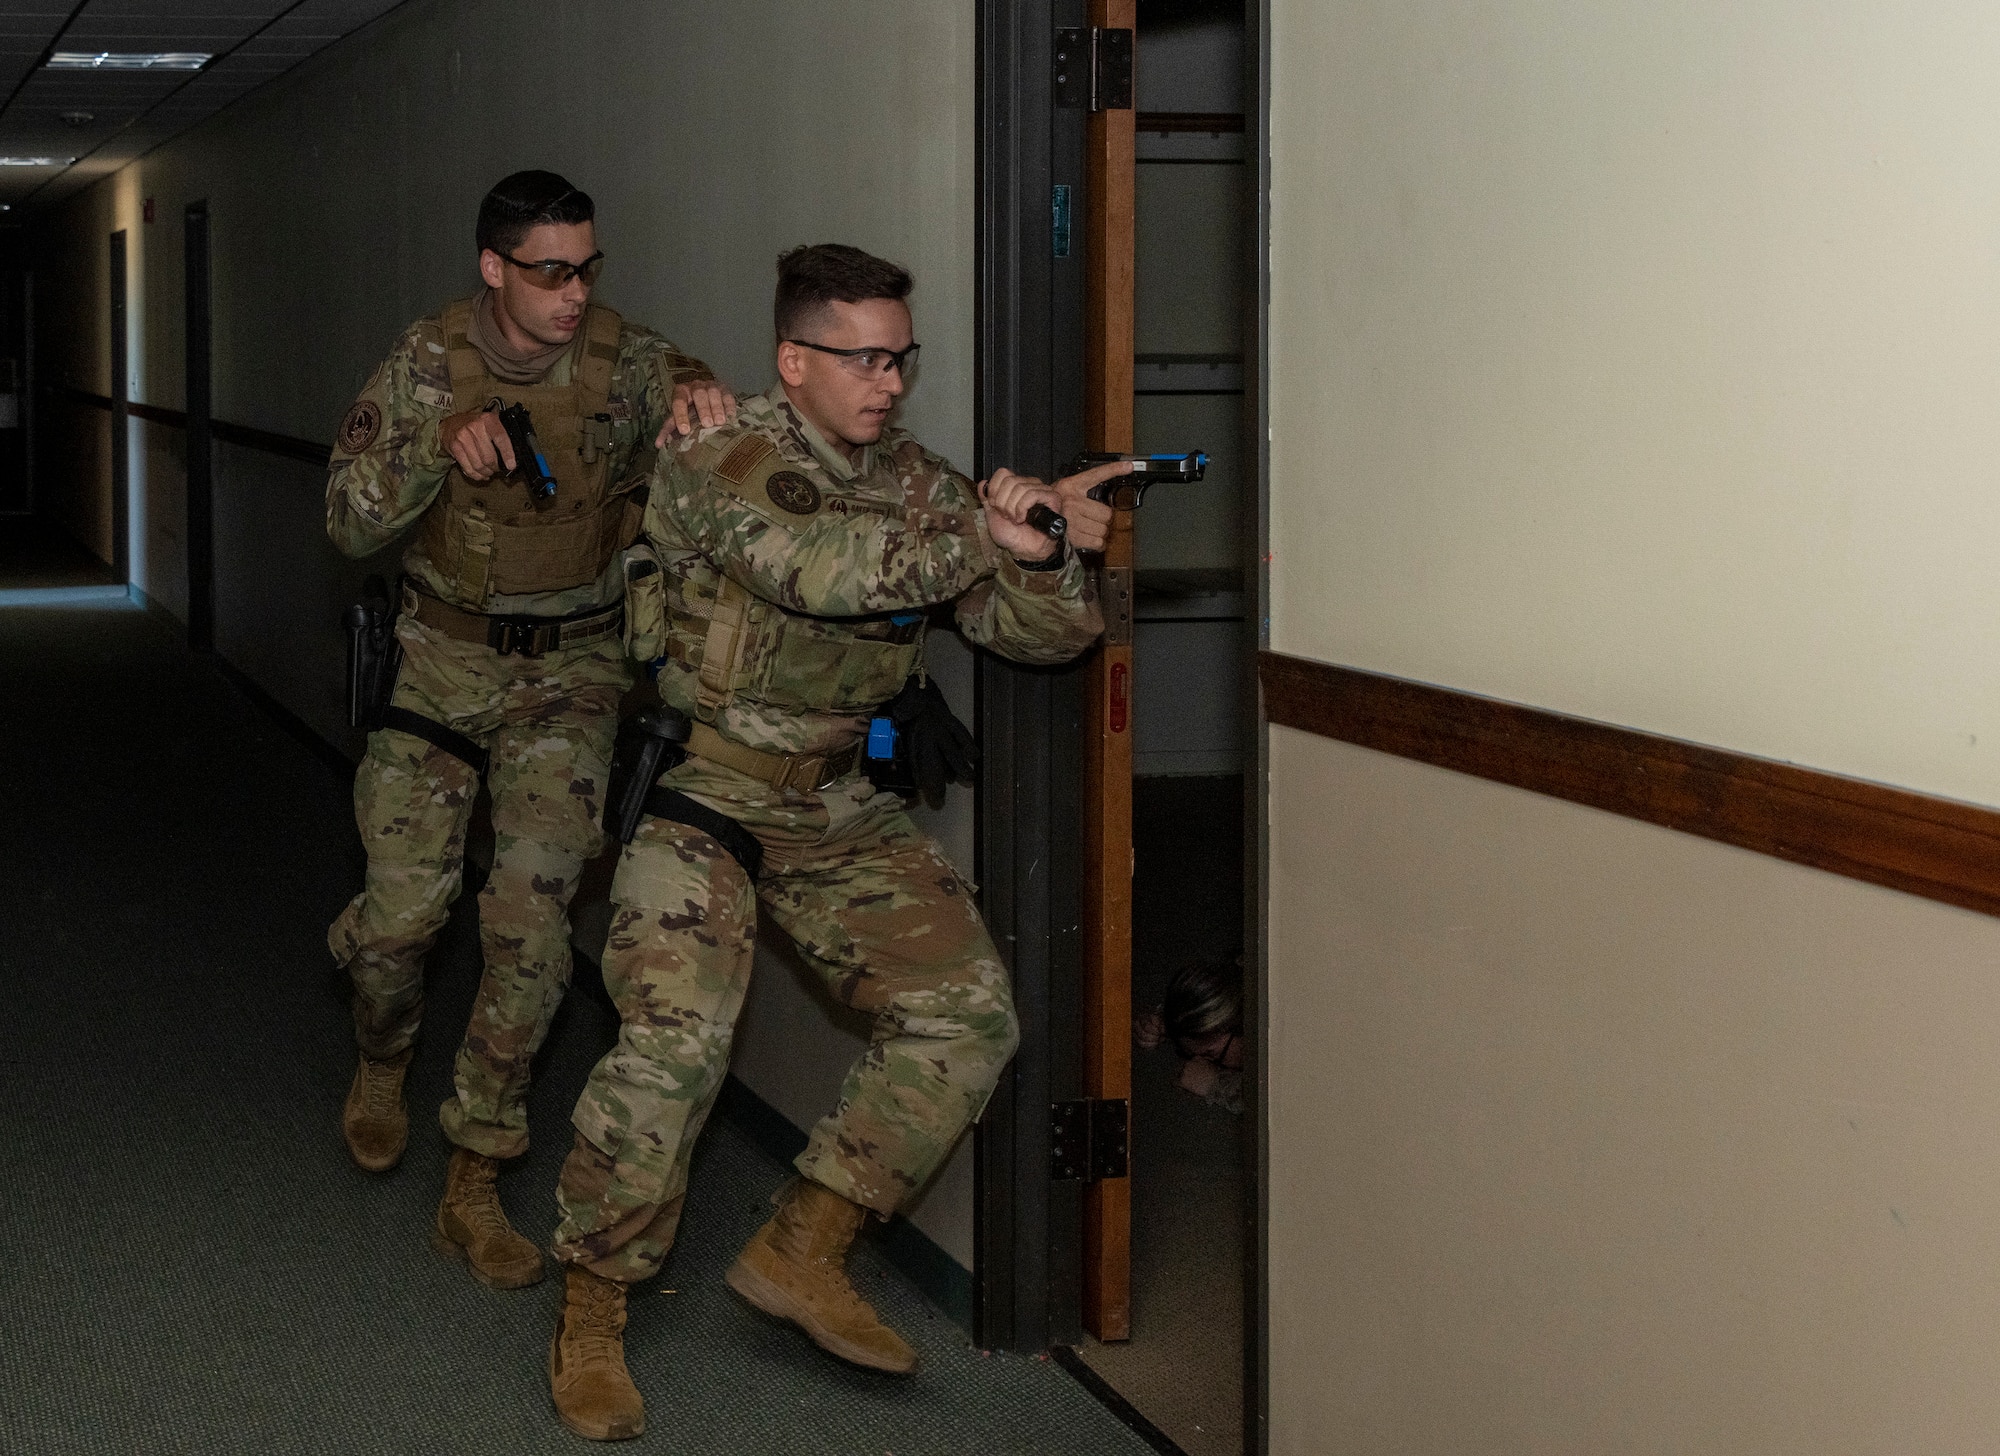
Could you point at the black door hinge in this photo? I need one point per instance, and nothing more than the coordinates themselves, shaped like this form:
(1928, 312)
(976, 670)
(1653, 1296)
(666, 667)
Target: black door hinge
(1093, 69)
(1088, 1140)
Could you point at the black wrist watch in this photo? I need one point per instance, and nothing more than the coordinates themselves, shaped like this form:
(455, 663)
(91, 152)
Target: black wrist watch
(1052, 562)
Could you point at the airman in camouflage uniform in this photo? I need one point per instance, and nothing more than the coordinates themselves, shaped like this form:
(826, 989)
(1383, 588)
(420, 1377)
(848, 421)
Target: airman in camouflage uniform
(801, 547)
(510, 635)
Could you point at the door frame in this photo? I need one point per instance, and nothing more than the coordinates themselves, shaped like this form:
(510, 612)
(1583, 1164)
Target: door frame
(1257, 735)
(1028, 1274)
(118, 283)
(195, 292)
(1030, 387)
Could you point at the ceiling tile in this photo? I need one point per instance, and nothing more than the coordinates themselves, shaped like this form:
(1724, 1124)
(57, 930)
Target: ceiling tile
(134, 111)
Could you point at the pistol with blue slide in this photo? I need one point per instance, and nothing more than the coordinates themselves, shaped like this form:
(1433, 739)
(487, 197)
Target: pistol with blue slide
(529, 461)
(1123, 492)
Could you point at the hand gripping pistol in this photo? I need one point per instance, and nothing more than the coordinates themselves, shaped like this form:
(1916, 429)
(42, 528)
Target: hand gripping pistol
(1122, 492)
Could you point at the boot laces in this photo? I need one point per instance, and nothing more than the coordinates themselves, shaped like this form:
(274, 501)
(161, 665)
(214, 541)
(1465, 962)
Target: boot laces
(597, 1319)
(381, 1089)
(840, 1289)
(479, 1203)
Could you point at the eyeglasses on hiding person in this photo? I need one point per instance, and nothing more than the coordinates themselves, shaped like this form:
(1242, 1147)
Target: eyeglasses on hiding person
(553, 273)
(869, 363)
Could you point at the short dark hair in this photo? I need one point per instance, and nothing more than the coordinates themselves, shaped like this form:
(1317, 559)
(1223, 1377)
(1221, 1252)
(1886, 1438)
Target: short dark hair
(1203, 998)
(810, 278)
(524, 201)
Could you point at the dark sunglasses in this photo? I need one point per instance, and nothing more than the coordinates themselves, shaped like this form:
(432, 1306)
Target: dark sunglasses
(553, 273)
(868, 363)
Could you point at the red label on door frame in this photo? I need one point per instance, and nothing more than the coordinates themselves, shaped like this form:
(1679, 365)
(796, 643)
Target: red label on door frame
(1121, 696)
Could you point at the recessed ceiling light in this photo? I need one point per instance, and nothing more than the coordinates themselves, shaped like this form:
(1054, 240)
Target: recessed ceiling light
(78, 118)
(36, 161)
(128, 60)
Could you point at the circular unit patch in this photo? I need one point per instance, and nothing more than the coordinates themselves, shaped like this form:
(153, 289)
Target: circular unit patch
(362, 425)
(791, 491)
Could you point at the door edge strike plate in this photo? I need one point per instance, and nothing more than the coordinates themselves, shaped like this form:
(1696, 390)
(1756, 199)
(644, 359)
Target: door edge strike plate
(1092, 68)
(1114, 599)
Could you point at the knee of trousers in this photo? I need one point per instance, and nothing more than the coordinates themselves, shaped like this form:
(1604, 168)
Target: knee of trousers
(382, 948)
(411, 813)
(970, 1007)
(524, 905)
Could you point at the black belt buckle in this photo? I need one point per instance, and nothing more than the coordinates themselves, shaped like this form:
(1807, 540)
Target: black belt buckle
(513, 635)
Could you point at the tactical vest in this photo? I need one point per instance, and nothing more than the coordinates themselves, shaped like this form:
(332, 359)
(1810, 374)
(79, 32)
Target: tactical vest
(486, 536)
(738, 643)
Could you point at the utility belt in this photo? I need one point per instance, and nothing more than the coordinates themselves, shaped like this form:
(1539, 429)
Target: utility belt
(806, 772)
(915, 747)
(375, 656)
(524, 635)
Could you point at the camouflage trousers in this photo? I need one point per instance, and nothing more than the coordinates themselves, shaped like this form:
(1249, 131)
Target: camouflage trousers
(876, 910)
(547, 724)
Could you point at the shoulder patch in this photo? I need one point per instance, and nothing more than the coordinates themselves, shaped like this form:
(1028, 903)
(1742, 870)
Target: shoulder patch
(791, 491)
(742, 457)
(359, 429)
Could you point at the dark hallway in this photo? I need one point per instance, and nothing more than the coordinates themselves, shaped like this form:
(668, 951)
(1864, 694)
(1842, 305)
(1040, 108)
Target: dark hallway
(191, 1261)
(35, 556)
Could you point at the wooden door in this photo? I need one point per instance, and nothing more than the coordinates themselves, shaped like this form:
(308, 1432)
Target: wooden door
(1107, 911)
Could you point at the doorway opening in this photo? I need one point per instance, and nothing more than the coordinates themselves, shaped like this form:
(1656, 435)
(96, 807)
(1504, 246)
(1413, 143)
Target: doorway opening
(1182, 1366)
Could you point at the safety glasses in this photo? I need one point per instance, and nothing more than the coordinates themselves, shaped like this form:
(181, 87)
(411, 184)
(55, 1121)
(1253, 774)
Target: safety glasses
(553, 273)
(868, 363)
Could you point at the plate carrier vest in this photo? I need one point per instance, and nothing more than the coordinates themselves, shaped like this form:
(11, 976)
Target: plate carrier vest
(486, 536)
(780, 658)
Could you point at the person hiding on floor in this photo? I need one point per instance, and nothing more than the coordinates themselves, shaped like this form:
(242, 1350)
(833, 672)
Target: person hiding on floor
(1203, 1015)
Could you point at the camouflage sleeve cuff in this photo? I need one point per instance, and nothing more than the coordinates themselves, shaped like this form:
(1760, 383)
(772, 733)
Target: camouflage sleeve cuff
(427, 453)
(1041, 579)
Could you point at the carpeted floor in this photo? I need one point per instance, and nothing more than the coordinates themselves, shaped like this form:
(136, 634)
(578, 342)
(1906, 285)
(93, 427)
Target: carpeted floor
(36, 556)
(1183, 1366)
(189, 1262)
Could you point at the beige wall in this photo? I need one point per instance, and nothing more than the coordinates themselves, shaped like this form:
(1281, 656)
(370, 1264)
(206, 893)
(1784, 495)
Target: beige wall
(342, 200)
(1638, 360)
(1634, 361)
(1589, 1136)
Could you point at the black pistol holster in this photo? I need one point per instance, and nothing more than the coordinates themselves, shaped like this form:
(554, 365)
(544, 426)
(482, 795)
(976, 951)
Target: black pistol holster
(374, 657)
(649, 743)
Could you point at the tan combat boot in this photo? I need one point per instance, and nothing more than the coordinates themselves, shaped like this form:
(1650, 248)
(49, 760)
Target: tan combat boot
(373, 1120)
(795, 1267)
(593, 1390)
(472, 1225)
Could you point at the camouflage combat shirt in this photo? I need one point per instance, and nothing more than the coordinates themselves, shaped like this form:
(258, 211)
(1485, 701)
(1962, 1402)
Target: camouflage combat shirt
(892, 528)
(374, 495)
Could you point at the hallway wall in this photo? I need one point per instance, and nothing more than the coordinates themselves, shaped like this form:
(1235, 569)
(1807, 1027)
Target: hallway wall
(1633, 361)
(342, 200)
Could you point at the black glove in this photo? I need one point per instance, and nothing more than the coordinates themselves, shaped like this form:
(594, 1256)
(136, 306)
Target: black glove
(938, 748)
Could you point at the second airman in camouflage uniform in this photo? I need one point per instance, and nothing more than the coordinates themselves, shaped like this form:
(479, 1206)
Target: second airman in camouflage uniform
(801, 548)
(510, 639)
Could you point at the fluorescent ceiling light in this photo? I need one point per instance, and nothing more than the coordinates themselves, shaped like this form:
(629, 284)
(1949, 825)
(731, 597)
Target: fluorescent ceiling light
(128, 60)
(36, 161)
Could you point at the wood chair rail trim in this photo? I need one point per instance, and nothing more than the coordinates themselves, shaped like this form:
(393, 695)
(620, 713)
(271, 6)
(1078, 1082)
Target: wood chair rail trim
(269, 441)
(1940, 849)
